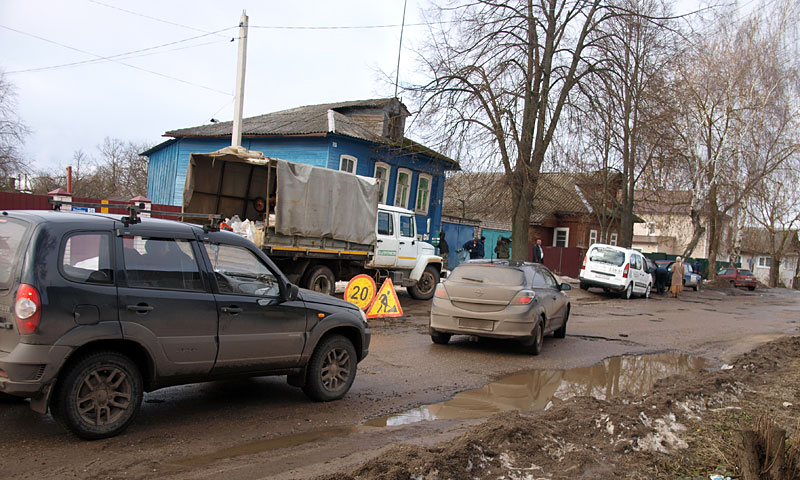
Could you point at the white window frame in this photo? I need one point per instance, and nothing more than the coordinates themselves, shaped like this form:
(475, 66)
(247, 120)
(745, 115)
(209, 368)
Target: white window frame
(398, 201)
(613, 239)
(385, 180)
(423, 209)
(762, 262)
(342, 158)
(566, 237)
(592, 237)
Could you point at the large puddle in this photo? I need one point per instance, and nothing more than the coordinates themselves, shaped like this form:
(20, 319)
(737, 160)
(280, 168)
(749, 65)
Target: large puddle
(526, 392)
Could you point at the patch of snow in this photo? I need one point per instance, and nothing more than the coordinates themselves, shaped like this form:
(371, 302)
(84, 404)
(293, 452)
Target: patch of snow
(664, 437)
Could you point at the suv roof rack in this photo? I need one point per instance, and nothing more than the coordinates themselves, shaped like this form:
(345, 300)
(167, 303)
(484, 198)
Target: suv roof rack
(135, 211)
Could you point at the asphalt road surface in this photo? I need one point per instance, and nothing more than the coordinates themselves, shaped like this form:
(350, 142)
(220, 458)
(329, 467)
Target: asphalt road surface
(263, 428)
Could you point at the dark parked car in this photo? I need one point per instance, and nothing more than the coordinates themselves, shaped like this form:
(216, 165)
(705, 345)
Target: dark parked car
(98, 309)
(739, 277)
(690, 278)
(500, 299)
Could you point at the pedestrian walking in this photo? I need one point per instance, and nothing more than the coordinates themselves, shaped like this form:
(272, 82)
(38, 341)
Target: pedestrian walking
(538, 252)
(473, 248)
(481, 248)
(677, 277)
(502, 249)
(444, 250)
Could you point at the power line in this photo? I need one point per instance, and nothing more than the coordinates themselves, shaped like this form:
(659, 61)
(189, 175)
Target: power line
(131, 12)
(345, 27)
(130, 54)
(114, 60)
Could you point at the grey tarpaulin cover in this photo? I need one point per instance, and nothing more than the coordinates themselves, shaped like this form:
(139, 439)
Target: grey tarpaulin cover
(320, 202)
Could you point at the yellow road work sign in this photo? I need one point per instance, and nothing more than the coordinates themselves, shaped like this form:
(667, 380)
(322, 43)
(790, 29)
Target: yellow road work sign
(360, 291)
(386, 303)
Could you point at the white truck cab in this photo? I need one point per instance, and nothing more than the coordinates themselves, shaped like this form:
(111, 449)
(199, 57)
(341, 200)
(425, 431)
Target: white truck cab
(414, 263)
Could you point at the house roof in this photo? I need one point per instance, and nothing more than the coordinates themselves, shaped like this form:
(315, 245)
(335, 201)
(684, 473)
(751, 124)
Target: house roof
(487, 196)
(341, 118)
(759, 240)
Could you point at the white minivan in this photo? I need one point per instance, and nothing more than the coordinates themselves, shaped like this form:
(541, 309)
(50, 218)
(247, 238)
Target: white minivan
(616, 269)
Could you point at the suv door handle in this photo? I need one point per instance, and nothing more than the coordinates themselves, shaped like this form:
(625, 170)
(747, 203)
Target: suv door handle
(140, 308)
(232, 310)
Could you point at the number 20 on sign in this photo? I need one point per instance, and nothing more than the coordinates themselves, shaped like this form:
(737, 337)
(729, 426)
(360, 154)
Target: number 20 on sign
(360, 291)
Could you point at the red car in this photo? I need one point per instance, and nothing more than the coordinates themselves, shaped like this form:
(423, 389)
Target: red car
(739, 277)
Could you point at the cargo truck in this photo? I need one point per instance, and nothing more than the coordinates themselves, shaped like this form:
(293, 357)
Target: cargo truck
(318, 225)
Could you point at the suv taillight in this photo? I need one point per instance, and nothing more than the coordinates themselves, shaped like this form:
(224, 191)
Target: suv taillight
(625, 270)
(583, 266)
(27, 308)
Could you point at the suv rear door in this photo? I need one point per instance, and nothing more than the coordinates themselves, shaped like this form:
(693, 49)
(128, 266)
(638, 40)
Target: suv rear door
(258, 329)
(164, 302)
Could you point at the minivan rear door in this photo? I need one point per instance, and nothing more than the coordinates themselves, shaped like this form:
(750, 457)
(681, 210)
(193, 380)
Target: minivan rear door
(14, 235)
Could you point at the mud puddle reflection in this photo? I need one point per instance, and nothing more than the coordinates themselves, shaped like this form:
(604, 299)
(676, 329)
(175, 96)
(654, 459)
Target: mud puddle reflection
(534, 390)
(525, 391)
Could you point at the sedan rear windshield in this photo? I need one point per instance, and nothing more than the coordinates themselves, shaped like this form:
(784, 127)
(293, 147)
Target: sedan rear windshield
(607, 255)
(487, 275)
(746, 273)
(12, 233)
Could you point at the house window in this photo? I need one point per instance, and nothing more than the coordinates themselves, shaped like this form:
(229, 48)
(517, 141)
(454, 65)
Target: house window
(403, 188)
(592, 237)
(423, 194)
(561, 237)
(382, 172)
(613, 240)
(764, 262)
(348, 163)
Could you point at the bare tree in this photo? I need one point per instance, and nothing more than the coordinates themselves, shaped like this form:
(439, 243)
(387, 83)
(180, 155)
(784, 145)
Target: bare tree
(501, 75)
(12, 132)
(730, 81)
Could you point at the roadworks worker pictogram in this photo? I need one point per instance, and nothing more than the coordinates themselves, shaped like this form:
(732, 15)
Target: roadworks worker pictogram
(386, 303)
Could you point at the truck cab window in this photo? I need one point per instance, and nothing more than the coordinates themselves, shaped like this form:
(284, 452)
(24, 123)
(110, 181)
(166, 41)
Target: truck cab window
(385, 224)
(406, 226)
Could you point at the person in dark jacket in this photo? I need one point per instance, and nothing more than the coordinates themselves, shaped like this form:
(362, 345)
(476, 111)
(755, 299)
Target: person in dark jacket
(538, 252)
(473, 247)
(444, 249)
(661, 279)
(481, 248)
(503, 248)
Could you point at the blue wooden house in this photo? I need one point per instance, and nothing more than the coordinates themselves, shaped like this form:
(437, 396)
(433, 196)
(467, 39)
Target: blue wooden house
(364, 137)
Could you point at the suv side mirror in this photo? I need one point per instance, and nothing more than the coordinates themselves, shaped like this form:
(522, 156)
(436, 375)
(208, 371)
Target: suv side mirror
(292, 291)
(565, 287)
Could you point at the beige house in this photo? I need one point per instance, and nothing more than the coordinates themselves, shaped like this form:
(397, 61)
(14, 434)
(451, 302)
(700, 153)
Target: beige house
(756, 255)
(667, 226)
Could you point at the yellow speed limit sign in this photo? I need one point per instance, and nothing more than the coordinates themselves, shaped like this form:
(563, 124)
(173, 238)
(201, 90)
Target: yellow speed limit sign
(360, 291)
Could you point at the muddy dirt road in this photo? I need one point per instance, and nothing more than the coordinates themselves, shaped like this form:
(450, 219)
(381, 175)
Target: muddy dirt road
(263, 428)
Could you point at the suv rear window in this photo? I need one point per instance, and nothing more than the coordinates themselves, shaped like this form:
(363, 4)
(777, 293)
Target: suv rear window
(12, 232)
(745, 273)
(607, 255)
(86, 257)
(488, 275)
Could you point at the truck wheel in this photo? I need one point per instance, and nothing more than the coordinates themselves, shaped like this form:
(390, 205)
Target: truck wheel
(98, 396)
(320, 279)
(331, 370)
(424, 288)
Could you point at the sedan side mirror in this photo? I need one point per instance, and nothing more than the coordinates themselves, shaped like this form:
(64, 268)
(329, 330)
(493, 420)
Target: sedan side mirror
(565, 287)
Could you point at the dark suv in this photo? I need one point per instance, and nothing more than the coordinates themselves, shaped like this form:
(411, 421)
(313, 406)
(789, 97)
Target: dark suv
(96, 309)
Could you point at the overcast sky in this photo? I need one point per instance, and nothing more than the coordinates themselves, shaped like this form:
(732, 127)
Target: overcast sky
(187, 83)
(184, 82)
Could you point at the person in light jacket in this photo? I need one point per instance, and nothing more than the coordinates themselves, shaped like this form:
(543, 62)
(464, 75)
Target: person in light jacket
(677, 277)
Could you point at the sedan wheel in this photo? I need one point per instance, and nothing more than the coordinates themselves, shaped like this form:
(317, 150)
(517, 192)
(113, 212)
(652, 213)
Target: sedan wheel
(534, 343)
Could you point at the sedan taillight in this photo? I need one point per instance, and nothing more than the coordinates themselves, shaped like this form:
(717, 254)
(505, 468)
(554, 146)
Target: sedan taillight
(27, 309)
(523, 297)
(441, 292)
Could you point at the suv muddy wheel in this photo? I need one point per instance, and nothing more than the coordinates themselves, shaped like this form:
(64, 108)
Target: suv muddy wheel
(98, 396)
(426, 286)
(320, 279)
(534, 343)
(440, 338)
(331, 370)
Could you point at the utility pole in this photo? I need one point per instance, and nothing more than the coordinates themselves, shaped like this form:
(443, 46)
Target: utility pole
(238, 101)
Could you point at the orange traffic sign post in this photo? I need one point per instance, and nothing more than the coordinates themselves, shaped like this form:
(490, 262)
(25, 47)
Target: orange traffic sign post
(360, 291)
(386, 303)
